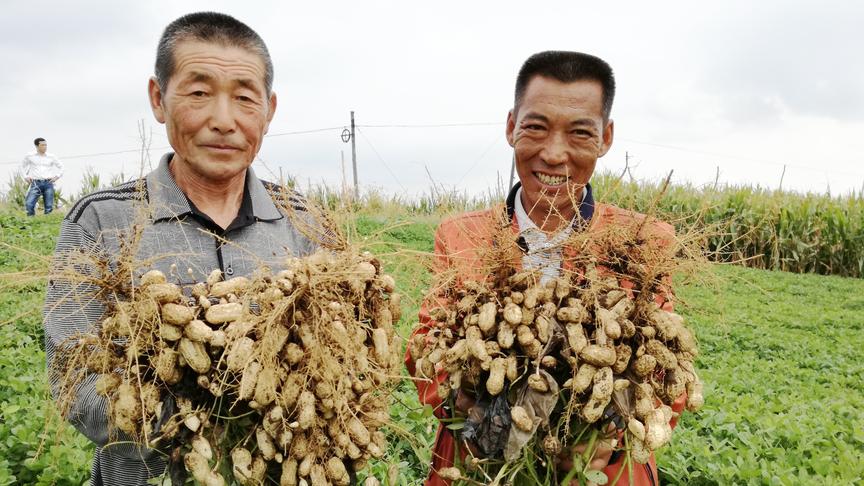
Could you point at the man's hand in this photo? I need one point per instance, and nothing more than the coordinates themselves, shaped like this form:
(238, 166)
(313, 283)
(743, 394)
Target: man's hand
(604, 446)
(464, 403)
(602, 454)
(28, 180)
(603, 449)
(464, 407)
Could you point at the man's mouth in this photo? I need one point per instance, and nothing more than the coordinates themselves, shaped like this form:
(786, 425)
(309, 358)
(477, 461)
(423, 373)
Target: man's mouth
(550, 180)
(221, 147)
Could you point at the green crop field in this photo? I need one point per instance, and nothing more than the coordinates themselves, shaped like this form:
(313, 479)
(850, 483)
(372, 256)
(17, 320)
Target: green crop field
(781, 358)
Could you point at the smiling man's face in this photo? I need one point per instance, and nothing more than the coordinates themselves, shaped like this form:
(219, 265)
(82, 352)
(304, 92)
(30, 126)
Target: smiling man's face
(215, 107)
(558, 132)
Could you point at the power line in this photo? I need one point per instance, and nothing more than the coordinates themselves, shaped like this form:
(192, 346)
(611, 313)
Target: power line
(653, 144)
(437, 125)
(303, 132)
(270, 135)
(382, 160)
(480, 124)
(482, 156)
(98, 154)
(701, 152)
(138, 150)
(738, 157)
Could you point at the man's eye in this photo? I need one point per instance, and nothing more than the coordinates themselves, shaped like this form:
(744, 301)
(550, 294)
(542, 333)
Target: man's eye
(534, 127)
(199, 94)
(244, 99)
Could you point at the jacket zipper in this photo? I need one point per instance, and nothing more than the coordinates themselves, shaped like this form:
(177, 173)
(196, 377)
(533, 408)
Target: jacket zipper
(650, 474)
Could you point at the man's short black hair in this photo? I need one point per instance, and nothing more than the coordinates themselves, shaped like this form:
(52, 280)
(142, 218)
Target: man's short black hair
(38, 141)
(567, 67)
(209, 27)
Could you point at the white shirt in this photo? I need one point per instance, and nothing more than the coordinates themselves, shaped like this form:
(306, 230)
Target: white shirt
(37, 166)
(545, 252)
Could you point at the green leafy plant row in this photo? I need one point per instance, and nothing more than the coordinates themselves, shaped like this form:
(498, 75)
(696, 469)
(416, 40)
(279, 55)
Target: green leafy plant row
(753, 226)
(756, 227)
(781, 357)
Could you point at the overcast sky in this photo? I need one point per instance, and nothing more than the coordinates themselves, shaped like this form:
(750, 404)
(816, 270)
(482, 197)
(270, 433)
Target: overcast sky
(742, 86)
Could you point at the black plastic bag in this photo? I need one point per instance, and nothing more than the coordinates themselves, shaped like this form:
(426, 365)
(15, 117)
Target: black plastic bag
(490, 432)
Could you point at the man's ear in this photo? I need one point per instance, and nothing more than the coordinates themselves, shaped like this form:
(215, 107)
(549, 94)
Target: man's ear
(608, 136)
(511, 127)
(155, 94)
(271, 112)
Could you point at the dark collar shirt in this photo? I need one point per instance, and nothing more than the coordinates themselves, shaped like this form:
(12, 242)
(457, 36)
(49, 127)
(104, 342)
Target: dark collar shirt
(169, 234)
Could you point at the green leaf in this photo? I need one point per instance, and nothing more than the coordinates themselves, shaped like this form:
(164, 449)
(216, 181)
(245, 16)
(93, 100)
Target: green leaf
(428, 411)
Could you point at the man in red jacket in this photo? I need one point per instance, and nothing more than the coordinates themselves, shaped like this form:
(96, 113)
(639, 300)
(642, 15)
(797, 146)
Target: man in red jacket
(559, 126)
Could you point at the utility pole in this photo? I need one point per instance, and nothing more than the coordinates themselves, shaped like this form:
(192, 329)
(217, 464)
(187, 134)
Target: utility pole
(344, 178)
(512, 173)
(782, 175)
(354, 158)
(626, 165)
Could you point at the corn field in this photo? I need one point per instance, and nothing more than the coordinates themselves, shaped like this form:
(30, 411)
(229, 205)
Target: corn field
(755, 227)
(746, 225)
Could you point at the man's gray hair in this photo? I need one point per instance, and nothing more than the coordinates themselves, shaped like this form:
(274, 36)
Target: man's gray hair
(211, 27)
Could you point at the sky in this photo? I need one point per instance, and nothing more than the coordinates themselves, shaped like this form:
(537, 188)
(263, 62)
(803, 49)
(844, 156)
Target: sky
(736, 92)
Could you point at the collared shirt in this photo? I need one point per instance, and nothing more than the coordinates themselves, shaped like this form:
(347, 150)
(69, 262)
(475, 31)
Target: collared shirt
(176, 239)
(543, 251)
(461, 245)
(38, 166)
(244, 217)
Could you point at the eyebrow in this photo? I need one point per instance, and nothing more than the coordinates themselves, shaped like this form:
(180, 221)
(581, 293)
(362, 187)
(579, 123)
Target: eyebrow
(199, 77)
(587, 122)
(248, 84)
(535, 116)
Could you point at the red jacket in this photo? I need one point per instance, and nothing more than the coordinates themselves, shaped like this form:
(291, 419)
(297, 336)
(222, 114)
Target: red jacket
(457, 241)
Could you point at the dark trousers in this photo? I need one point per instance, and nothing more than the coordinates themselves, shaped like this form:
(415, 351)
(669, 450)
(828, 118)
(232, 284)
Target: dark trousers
(39, 187)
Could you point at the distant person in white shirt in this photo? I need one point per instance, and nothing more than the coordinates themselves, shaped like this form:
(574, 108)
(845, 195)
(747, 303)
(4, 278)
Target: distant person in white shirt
(40, 170)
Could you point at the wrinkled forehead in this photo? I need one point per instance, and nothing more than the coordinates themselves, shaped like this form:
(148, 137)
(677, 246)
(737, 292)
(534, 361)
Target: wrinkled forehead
(545, 97)
(218, 53)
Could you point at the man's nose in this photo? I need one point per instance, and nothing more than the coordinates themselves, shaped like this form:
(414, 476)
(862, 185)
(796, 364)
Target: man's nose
(555, 151)
(222, 115)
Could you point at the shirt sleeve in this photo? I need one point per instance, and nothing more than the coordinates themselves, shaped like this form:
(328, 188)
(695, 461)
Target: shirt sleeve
(72, 307)
(59, 165)
(25, 166)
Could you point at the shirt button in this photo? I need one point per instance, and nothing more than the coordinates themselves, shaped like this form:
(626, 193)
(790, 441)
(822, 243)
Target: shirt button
(229, 271)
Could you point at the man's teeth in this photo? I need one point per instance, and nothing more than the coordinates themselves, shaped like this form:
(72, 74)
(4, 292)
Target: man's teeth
(550, 180)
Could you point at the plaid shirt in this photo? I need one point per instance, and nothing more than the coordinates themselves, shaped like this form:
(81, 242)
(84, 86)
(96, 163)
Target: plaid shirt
(174, 233)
